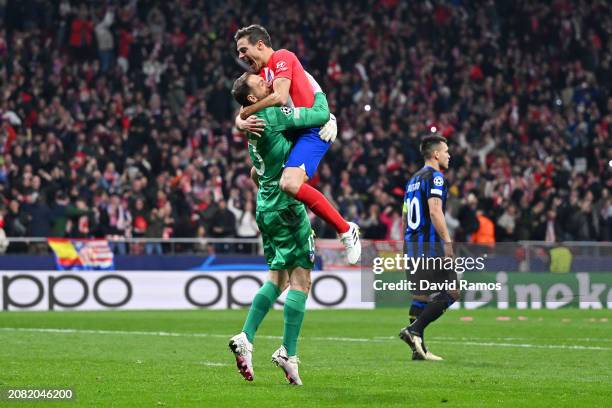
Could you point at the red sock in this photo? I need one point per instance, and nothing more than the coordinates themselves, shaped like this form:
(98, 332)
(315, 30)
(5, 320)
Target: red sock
(319, 205)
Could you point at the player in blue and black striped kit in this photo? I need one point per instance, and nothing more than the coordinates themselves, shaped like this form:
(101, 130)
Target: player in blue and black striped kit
(427, 236)
(421, 237)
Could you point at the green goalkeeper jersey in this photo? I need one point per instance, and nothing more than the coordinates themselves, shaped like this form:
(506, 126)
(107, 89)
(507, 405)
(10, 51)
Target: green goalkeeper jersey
(270, 151)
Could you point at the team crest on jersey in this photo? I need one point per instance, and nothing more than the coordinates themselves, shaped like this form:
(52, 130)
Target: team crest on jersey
(287, 111)
(438, 181)
(281, 66)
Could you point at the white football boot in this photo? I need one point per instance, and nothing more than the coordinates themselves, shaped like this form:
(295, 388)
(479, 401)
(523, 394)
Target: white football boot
(417, 344)
(243, 352)
(429, 356)
(288, 364)
(415, 341)
(351, 242)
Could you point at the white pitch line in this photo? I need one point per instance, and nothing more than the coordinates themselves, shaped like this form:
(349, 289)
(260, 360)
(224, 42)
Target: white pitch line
(117, 332)
(523, 345)
(446, 340)
(168, 334)
(584, 339)
(587, 339)
(213, 364)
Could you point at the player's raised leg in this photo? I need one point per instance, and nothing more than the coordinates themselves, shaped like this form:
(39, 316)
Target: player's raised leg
(295, 306)
(242, 344)
(300, 167)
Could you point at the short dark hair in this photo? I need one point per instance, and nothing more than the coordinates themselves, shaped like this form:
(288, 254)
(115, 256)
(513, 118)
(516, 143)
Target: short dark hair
(241, 89)
(429, 144)
(254, 33)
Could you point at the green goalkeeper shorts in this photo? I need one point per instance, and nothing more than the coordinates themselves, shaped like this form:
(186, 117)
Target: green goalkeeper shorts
(288, 238)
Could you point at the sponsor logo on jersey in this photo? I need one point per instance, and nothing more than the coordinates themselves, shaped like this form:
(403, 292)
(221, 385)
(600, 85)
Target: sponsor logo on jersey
(281, 66)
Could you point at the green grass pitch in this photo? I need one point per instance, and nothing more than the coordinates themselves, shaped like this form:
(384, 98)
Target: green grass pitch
(559, 358)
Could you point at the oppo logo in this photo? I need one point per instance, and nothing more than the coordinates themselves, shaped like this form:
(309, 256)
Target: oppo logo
(227, 285)
(52, 298)
(71, 291)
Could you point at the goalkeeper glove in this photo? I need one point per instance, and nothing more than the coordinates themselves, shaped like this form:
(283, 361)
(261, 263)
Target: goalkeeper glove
(329, 131)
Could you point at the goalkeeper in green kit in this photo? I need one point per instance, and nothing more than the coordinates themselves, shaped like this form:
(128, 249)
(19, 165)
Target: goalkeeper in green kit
(285, 228)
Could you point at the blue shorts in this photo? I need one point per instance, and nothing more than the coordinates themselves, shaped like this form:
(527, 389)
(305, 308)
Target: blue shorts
(307, 151)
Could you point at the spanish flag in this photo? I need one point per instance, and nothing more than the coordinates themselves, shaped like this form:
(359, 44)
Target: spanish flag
(66, 255)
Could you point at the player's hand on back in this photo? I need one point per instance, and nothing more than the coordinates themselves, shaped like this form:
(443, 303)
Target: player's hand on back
(252, 124)
(329, 131)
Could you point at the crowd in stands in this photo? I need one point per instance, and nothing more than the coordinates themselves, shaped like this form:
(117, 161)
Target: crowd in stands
(117, 118)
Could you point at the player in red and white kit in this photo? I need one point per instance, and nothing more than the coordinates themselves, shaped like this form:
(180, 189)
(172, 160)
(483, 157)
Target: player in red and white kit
(294, 87)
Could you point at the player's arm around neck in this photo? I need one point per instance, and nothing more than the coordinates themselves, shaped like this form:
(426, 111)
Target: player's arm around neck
(437, 218)
(278, 97)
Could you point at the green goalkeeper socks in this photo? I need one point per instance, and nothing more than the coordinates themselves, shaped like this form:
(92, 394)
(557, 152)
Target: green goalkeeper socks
(295, 305)
(263, 301)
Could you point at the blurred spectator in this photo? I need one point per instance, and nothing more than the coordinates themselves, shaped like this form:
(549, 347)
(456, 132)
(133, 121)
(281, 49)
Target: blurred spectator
(155, 229)
(140, 214)
(62, 212)
(39, 214)
(485, 234)
(371, 226)
(81, 30)
(468, 219)
(223, 225)
(246, 226)
(506, 224)
(105, 40)
(118, 222)
(15, 221)
(392, 220)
